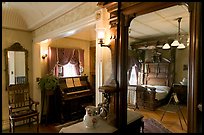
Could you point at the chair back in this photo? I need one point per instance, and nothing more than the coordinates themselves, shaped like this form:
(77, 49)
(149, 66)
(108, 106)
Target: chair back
(19, 97)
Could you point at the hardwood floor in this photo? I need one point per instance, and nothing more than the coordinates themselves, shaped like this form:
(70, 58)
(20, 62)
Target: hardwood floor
(170, 121)
(32, 129)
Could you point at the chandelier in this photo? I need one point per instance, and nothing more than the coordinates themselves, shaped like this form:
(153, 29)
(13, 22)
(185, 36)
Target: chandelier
(177, 42)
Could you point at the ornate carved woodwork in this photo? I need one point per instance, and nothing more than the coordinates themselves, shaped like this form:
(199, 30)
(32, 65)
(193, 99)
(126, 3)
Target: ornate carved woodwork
(124, 12)
(10, 72)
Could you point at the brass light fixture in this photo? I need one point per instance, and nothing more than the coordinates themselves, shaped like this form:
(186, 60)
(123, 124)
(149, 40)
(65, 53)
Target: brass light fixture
(101, 35)
(177, 42)
(44, 54)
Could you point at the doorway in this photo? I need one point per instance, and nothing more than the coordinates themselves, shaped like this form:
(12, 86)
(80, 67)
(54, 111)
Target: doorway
(147, 35)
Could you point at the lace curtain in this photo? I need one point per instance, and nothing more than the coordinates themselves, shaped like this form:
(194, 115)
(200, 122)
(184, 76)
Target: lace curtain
(133, 61)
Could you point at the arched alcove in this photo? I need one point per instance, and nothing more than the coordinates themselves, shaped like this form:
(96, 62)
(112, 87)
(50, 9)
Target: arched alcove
(11, 18)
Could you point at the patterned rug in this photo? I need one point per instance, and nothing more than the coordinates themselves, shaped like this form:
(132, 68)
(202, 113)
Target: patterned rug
(153, 126)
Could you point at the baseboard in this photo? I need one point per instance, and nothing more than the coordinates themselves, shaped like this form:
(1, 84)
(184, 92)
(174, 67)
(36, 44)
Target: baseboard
(5, 124)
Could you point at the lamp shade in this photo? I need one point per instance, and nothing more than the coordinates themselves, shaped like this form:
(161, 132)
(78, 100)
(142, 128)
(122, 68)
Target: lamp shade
(175, 43)
(101, 33)
(166, 46)
(181, 46)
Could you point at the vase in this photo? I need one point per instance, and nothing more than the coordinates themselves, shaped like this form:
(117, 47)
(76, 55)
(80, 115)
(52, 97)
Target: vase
(90, 118)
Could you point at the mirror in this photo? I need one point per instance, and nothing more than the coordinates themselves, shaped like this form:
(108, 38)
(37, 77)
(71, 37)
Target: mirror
(16, 65)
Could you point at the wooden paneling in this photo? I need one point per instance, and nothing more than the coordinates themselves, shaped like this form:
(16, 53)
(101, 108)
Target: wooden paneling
(124, 17)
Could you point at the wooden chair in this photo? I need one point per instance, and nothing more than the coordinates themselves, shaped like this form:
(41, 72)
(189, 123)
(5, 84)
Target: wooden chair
(21, 106)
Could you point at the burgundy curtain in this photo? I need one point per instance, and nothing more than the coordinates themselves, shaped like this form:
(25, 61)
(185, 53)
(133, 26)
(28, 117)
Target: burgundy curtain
(63, 56)
(81, 61)
(81, 57)
(75, 61)
(52, 59)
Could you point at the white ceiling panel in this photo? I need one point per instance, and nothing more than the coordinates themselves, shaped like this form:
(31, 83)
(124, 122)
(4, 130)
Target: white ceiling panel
(160, 23)
(143, 28)
(151, 17)
(166, 29)
(172, 11)
(136, 34)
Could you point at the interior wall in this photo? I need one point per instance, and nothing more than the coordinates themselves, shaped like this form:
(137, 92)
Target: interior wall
(10, 36)
(107, 65)
(103, 67)
(181, 60)
(37, 74)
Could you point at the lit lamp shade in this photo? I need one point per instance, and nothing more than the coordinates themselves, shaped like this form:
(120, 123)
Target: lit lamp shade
(175, 43)
(181, 46)
(101, 34)
(166, 46)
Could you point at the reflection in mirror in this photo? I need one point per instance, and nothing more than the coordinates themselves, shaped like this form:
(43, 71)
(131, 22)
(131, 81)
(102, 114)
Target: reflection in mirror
(16, 65)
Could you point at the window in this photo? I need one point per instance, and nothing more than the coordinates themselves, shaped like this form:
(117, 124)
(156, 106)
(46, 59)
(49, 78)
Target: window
(69, 70)
(133, 76)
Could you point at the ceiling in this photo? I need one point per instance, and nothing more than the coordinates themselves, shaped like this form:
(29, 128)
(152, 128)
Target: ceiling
(150, 25)
(36, 14)
(160, 23)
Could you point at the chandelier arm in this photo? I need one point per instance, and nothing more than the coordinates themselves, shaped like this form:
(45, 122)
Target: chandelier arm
(179, 27)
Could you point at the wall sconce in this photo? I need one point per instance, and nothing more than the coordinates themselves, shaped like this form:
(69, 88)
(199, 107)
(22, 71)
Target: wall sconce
(101, 35)
(44, 54)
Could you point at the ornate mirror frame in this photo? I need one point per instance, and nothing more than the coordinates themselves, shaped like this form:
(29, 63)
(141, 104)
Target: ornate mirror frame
(17, 48)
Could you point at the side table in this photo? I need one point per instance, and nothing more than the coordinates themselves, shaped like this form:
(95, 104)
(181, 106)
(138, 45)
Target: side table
(181, 91)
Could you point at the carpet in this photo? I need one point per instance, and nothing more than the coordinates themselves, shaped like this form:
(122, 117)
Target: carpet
(153, 126)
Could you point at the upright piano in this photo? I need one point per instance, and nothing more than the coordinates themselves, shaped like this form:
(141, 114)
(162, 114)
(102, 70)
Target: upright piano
(76, 93)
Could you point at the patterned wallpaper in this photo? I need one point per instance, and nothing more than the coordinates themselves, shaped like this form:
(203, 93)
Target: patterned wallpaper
(78, 13)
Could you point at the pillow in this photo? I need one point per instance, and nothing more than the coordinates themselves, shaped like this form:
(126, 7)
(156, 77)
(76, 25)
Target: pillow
(147, 85)
(163, 88)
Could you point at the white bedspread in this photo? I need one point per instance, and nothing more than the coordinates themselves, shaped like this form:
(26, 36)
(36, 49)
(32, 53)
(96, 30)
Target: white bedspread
(161, 91)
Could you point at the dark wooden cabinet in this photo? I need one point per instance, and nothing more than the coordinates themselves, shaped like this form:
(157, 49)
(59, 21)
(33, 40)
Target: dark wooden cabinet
(74, 108)
(76, 94)
(181, 91)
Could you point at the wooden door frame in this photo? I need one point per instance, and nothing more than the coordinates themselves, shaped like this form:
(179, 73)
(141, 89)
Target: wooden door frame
(125, 12)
